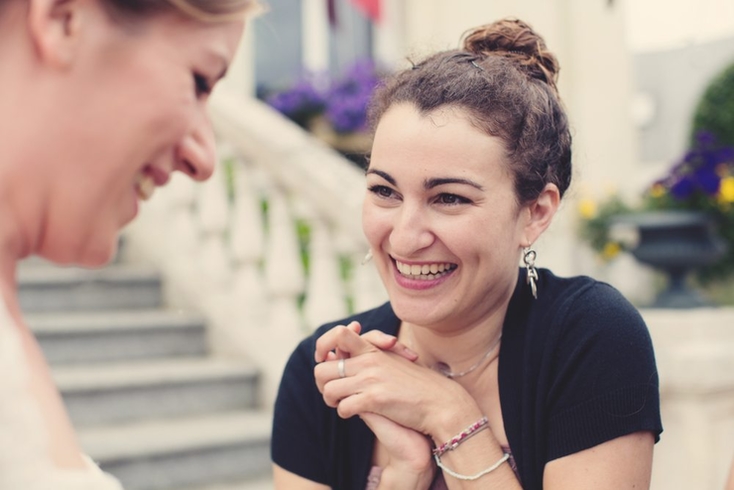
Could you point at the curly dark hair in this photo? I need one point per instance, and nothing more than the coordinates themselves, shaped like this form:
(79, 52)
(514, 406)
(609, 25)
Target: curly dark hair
(504, 77)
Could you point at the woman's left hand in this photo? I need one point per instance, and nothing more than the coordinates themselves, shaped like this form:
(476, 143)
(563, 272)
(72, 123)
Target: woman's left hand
(409, 453)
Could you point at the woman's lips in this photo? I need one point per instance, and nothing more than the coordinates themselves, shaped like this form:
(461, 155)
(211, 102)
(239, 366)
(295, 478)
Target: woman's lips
(422, 276)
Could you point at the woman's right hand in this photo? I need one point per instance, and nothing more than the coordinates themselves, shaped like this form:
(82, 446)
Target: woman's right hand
(409, 462)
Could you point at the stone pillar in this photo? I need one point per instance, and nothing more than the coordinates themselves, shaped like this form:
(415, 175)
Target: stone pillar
(695, 356)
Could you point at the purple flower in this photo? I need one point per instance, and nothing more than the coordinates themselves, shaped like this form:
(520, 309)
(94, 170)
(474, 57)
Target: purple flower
(682, 189)
(298, 103)
(707, 180)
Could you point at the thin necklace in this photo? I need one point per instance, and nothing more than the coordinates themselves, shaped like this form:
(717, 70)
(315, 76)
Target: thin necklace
(444, 369)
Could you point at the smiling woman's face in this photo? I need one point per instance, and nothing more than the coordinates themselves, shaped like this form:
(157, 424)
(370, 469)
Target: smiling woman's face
(133, 111)
(442, 218)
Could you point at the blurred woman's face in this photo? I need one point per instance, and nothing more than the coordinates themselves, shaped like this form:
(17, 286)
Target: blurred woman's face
(132, 110)
(442, 218)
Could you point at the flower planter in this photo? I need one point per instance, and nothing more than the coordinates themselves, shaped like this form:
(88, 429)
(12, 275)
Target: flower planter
(675, 243)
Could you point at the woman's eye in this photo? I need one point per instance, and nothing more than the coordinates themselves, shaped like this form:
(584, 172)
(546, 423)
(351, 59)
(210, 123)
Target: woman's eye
(381, 191)
(202, 85)
(451, 199)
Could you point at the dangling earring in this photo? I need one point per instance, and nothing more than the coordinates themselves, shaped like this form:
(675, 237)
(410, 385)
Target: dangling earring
(528, 259)
(367, 257)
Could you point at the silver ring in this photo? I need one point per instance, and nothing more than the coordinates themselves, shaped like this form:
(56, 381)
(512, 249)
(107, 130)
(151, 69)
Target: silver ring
(340, 368)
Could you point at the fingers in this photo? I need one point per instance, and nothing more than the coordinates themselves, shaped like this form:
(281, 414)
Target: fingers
(344, 341)
(328, 371)
(387, 342)
(356, 328)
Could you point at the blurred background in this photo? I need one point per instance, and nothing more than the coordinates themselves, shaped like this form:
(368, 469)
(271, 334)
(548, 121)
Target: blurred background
(169, 358)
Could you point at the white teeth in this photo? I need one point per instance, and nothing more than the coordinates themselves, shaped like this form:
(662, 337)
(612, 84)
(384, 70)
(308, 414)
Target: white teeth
(425, 271)
(145, 186)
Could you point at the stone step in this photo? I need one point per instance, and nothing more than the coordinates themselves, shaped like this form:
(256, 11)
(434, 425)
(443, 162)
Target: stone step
(112, 393)
(264, 483)
(54, 289)
(183, 453)
(105, 336)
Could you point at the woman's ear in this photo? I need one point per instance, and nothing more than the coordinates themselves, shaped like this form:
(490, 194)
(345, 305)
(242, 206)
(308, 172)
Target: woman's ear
(54, 27)
(540, 213)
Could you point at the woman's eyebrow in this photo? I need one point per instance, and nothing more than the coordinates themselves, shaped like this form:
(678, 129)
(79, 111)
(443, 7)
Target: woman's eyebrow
(382, 174)
(431, 183)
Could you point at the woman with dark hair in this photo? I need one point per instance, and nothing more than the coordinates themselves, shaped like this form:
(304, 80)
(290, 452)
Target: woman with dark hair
(101, 101)
(477, 373)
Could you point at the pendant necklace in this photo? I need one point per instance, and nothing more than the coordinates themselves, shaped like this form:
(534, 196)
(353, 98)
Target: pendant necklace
(444, 368)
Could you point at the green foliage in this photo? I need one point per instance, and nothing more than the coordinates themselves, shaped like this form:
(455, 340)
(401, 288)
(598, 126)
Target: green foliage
(596, 225)
(715, 110)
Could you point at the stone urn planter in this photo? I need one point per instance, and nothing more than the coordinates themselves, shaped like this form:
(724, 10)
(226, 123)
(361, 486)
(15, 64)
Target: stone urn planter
(675, 243)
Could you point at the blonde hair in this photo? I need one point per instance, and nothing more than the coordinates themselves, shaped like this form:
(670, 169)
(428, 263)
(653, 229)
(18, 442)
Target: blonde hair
(216, 10)
(202, 10)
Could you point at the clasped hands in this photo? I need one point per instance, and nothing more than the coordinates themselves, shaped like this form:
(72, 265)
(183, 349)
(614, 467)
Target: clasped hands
(375, 377)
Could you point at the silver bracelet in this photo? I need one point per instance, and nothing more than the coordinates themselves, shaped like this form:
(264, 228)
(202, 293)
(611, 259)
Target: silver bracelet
(459, 476)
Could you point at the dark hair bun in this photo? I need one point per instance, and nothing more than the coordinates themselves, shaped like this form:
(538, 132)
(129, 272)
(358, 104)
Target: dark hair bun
(514, 39)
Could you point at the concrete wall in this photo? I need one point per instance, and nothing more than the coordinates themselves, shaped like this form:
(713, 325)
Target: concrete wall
(674, 80)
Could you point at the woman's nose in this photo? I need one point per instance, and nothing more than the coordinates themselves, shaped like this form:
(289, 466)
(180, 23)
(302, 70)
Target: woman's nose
(411, 232)
(197, 154)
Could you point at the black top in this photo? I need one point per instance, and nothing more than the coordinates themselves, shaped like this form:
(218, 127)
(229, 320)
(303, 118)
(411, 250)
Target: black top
(576, 368)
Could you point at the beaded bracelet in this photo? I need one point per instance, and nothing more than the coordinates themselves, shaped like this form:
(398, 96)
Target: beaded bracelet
(462, 436)
(459, 476)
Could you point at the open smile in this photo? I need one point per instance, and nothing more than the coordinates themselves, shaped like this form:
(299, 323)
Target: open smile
(424, 272)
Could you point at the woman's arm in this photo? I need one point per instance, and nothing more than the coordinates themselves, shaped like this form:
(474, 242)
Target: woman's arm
(622, 463)
(285, 480)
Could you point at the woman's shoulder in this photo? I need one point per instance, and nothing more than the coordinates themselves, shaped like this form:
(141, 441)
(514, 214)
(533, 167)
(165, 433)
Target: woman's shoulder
(581, 295)
(583, 307)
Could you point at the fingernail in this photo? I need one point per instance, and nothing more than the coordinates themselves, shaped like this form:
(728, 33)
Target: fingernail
(411, 353)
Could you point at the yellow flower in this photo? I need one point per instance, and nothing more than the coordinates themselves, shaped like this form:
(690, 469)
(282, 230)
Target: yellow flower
(611, 250)
(657, 190)
(587, 209)
(726, 190)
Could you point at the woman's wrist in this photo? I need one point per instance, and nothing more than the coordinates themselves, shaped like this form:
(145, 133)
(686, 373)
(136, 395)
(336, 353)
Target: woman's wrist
(397, 477)
(460, 412)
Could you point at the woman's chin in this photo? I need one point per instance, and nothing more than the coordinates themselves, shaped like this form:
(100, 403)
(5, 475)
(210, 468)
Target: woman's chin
(92, 254)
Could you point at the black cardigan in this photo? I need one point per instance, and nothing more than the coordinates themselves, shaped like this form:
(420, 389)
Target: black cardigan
(576, 369)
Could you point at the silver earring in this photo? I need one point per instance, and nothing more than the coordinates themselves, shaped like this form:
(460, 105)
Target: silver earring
(528, 259)
(367, 257)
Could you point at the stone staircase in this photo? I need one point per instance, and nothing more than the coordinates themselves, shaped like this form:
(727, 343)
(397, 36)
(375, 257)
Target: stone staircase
(150, 404)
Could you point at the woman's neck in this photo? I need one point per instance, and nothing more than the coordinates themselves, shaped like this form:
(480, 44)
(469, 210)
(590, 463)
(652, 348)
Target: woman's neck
(458, 352)
(11, 248)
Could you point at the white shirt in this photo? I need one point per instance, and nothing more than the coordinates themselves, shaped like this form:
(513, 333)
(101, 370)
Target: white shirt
(25, 460)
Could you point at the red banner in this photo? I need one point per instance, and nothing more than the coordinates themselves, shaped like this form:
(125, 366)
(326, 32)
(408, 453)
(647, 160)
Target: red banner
(370, 8)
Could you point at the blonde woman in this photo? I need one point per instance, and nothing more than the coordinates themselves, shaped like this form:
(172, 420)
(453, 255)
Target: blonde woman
(101, 100)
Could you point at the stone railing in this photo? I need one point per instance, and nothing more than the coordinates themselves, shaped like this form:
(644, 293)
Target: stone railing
(270, 247)
(695, 356)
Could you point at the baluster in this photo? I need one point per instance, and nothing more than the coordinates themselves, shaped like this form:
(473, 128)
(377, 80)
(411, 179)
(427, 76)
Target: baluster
(325, 291)
(367, 288)
(181, 244)
(284, 278)
(249, 298)
(214, 215)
